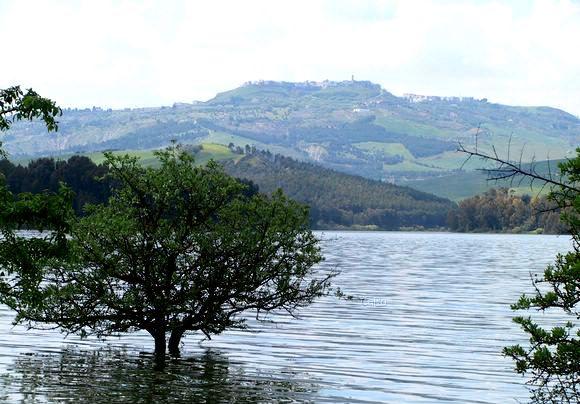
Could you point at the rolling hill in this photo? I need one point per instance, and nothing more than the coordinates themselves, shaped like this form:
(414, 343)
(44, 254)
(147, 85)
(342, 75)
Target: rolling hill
(355, 127)
(339, 200)
(336, 200)
(458, 185)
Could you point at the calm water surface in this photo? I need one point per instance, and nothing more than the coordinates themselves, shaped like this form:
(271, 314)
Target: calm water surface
(429, 326)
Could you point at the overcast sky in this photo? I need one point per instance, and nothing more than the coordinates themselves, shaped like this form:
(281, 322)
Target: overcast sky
(150, 53)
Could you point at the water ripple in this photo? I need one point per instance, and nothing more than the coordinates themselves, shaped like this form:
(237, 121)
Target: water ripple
(428, 325)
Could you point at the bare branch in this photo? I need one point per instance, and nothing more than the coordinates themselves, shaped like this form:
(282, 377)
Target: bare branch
(507, 169)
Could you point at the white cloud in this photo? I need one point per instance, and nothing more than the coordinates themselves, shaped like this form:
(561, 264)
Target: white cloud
(133, 53)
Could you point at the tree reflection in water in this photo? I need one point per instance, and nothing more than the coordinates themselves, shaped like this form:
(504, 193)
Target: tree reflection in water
(112, 376)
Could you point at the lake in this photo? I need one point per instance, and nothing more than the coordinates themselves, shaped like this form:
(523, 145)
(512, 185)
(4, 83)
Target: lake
(430, 318)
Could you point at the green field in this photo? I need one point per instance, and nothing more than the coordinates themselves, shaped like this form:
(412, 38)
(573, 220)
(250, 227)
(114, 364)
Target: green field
(442, 162)
(399, 125)
(146, 157)
(227, 138)
(388, 149)
(217, 152)
(464, 184)
(213, 151)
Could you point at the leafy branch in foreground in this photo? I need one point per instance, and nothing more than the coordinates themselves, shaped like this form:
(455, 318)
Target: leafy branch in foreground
(16, 105)
(552, 358)
(40, 211)
(177, 249)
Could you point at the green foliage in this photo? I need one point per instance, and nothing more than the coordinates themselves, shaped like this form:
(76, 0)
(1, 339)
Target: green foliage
(41, 211)
(340, 200)
(85, 178)
(50, 215)
(16, 105)
(177, 249)
(553, 355)
(500, 210)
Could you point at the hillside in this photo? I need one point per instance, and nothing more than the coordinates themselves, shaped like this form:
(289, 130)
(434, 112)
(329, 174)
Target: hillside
(203, 153)
(336, 200)
(458, 185)
(342, 200)
(351, 126)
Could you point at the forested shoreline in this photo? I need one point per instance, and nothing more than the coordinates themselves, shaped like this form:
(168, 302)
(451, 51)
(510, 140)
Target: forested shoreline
(337, 201)
(500, 211)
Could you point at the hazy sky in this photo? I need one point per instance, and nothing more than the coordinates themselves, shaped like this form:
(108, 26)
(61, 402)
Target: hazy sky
(150, 53)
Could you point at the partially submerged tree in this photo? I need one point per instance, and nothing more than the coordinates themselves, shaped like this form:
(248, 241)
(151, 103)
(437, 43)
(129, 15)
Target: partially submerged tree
(177, 249)
(552, 357)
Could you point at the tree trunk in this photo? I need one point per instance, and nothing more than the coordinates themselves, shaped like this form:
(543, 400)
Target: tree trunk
(160, 344)
(174, 341)
(158, 331)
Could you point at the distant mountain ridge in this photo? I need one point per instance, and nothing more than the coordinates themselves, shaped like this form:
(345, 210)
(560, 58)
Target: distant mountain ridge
(351, 126)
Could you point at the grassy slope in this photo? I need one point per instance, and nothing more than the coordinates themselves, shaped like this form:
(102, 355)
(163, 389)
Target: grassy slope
(224, 138)
(209, 151)
(467, 184)
(464, 184)
(216, 152)
(388, 149)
